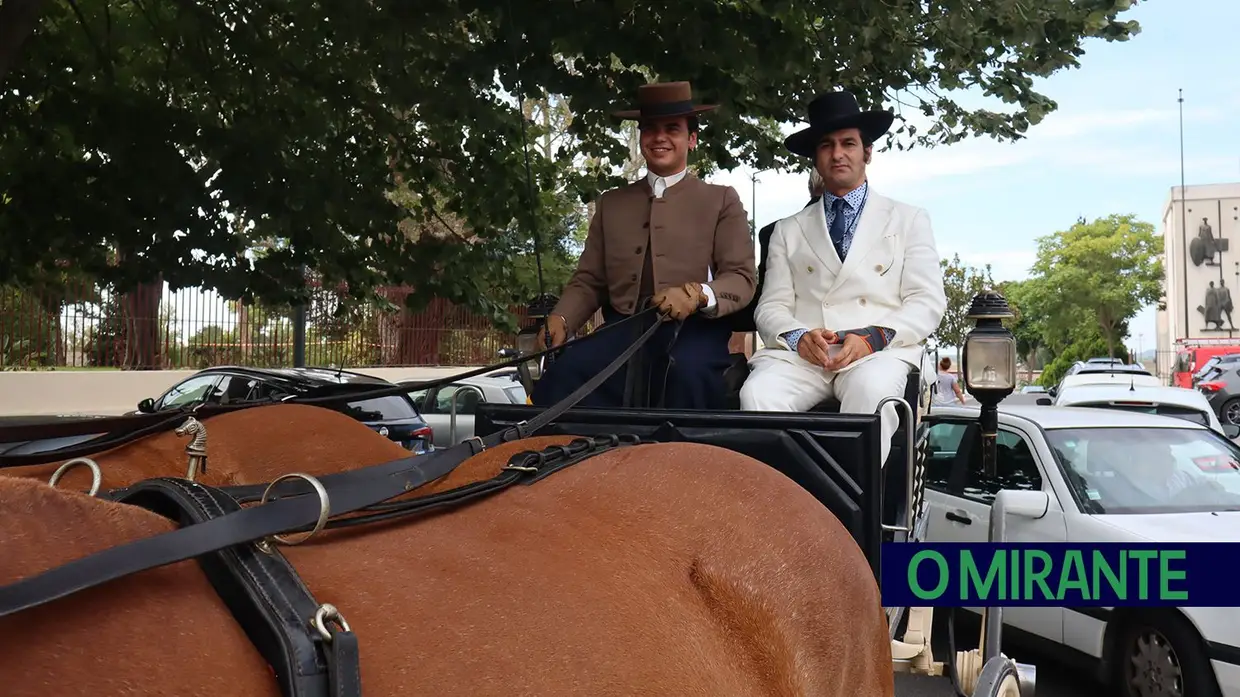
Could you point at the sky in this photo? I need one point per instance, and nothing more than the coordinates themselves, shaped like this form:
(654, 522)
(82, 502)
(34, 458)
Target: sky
(1113, 146)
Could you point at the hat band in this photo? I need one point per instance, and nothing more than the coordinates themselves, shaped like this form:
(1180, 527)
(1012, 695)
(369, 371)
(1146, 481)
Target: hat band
(667, 108)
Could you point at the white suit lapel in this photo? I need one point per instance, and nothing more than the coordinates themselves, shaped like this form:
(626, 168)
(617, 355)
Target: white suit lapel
(870, 229)
(812, 222)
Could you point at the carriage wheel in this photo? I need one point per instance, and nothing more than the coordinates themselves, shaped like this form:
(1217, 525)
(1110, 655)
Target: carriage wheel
(999, 678)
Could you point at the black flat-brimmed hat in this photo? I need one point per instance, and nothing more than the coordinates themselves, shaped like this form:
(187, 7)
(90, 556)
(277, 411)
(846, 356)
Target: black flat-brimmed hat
(834, 111)
(664, 100)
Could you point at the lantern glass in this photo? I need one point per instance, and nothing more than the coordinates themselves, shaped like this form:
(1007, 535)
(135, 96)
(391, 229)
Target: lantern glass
(990, 362)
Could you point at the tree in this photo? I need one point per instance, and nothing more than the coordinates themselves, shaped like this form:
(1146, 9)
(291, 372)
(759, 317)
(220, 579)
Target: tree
(143, 131)
(960, 283)
(1106, 270)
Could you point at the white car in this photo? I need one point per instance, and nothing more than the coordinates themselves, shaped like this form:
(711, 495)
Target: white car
(435, 404)
(1100, 476)
(1124, 378)
(1168, 401)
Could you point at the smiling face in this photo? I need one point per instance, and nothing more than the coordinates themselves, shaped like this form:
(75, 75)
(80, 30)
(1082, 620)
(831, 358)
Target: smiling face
(666, 144)
(841, 160)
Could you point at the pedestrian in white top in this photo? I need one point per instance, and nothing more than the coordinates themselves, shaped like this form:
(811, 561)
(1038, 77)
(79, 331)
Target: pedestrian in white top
(948, 386)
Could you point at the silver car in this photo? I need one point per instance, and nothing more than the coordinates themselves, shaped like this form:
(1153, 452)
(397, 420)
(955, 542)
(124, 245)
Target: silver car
(449, 409)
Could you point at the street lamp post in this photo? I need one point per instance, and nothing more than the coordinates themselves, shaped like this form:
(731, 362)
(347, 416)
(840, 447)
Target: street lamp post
(989, 365)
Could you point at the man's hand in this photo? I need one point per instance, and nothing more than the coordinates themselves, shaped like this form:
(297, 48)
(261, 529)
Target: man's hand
(813, 346)
(555, 326)
(855, 347)
(681, 301)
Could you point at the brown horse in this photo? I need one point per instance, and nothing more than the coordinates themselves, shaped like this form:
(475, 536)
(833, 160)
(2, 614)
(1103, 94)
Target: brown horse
(250, 446)
(662, 569)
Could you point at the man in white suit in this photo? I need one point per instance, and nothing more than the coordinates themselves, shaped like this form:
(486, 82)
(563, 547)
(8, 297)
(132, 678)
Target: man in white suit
(852, 286)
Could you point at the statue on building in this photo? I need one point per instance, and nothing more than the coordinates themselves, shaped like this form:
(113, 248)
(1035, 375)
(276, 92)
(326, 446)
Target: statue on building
(1203, 248)
(1212, 308)
(1224, 302)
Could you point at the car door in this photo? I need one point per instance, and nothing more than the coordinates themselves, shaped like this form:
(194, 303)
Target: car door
(959, 497)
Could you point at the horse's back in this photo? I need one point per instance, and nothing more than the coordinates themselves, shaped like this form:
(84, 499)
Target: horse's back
(649, 569)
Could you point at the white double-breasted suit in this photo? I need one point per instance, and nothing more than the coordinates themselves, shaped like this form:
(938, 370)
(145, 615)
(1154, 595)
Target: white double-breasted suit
(890, 278)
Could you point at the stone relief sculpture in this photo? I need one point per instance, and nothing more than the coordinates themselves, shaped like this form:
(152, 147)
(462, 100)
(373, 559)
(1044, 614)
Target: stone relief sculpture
(1203, 248)
(1217, 303)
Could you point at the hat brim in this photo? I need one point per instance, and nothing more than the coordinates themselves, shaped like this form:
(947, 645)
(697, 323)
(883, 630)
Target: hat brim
(637, 115)
(872, 124)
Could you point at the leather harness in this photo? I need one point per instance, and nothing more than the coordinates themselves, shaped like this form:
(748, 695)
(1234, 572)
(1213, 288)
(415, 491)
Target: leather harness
(309, 645)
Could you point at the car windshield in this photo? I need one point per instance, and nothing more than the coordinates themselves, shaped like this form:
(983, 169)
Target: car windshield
(381, 409)
(1187, 413)
(1149, 470)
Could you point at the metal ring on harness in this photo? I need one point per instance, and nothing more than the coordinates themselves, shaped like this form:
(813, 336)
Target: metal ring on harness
(325, 508)
(96, 476)
(328, 613)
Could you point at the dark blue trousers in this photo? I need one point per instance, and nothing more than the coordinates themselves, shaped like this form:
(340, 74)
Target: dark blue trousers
(679, 370)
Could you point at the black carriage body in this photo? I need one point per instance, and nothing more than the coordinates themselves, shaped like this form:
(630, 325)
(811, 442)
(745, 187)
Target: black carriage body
(835, 457)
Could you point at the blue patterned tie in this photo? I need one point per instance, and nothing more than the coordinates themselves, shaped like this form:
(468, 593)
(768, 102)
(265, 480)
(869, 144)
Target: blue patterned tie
(838, 227)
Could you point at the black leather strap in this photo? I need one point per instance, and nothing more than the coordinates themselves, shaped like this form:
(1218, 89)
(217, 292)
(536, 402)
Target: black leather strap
(347, 492)
(264, 593)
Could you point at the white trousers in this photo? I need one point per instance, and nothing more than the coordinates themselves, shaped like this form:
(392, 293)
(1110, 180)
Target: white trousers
(778, 385)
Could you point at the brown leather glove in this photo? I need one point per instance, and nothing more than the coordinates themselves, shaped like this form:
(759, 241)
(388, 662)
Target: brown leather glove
(557, 327)
(681, 301)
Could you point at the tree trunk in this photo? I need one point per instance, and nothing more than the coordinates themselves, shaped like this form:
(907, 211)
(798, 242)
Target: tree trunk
(140, 309)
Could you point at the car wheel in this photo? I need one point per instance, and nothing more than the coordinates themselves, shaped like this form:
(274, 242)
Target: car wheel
(1230, 412)
(1161, 655)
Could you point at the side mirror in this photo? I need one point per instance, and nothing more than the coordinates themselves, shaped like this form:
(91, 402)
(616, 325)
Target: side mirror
(1026, 504)
(147, 406)
(1231, 431)
(1045, 401)
(1052, 391)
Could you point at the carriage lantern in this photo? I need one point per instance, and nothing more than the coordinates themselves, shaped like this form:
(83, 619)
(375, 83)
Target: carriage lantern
(527, 339)
(989, 366)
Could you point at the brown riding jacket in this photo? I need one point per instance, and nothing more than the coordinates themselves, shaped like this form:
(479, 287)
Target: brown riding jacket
(695, 226)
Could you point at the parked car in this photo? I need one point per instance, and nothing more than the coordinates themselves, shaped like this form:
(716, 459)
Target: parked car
(1033, 389)
(1102, 360)
(1215, 366)
(394, 416)
(1093, 467)
(435, 403)
(1107, 375)
(1178, 402)
(1223, 392)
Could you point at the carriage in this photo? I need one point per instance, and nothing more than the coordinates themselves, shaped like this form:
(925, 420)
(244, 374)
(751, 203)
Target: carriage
(836, 457)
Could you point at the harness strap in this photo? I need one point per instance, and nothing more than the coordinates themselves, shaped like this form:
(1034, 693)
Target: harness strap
(346, 492)
(264, 593)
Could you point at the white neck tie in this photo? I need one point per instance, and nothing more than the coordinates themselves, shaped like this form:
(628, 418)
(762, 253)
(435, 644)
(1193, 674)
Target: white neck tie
(660, 185)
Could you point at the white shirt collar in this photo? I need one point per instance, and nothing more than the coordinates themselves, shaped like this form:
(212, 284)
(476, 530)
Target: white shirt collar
(660, 184)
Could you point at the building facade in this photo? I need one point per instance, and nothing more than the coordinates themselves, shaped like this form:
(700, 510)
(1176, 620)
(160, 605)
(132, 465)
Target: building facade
(1201, 267)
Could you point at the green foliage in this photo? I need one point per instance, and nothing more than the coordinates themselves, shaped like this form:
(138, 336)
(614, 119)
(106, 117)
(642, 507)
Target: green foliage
(1106, 271)
(961, 283)
(178, 135)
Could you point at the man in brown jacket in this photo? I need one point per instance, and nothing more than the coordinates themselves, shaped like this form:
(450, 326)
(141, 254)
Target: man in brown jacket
(670, 240)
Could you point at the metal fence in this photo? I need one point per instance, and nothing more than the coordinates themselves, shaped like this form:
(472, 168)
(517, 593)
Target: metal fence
(154, 328)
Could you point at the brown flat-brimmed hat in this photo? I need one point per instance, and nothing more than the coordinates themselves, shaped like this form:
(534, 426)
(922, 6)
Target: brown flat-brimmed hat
(834, 111)
(664, 100)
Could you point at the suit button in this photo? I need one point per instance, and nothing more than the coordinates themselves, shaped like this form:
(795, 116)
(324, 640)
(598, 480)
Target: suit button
(810, 269)
(879, 268)
(862, 301)
(633, 277)
(646, 224)
(639, 250)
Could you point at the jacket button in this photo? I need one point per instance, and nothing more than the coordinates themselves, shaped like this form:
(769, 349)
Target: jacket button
(646, 224)
(633, 277)
(862, 301)
(810, 269)
(879, 268)
(639, 250)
